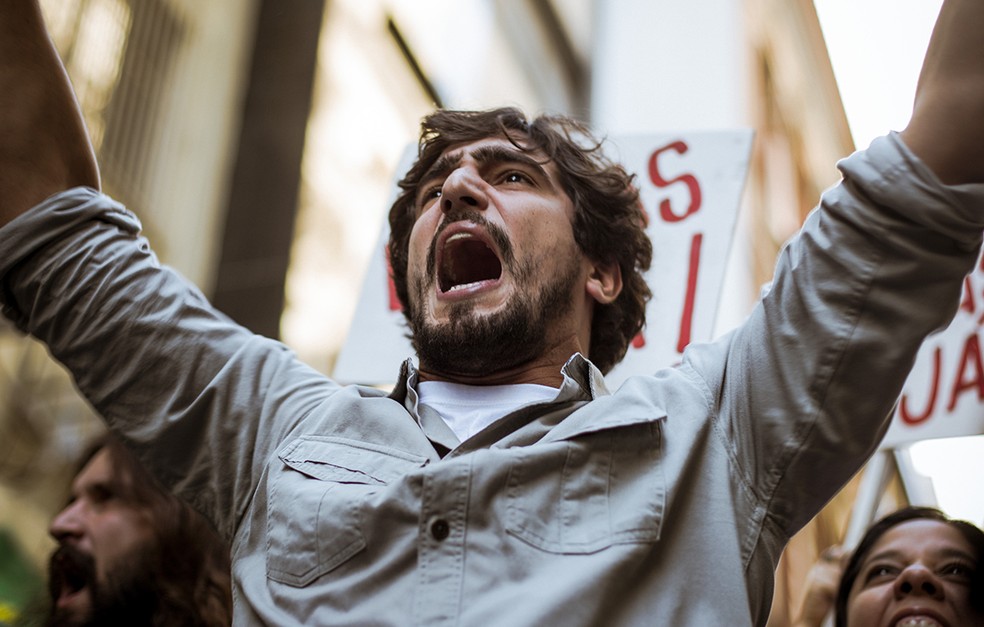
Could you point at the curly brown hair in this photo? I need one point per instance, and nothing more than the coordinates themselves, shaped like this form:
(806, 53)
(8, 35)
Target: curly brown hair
(609, 221)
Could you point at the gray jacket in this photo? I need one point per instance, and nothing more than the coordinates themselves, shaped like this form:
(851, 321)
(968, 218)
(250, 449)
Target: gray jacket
(666, 502)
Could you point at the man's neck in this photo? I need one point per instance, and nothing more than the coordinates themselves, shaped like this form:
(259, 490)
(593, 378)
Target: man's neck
(545, 369)
(541, 372)
(541, 375)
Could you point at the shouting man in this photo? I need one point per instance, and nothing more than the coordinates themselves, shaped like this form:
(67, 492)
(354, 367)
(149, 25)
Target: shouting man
(501, 482)
(131, 554)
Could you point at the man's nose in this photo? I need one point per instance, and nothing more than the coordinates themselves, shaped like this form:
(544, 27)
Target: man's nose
(463, 189)
(67, 524)
(917, 580)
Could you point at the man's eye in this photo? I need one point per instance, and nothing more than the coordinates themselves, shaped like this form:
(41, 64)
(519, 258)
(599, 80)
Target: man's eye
(516, 177)
(880, 571)
(429, 195)
(957, 570)
(100, 494)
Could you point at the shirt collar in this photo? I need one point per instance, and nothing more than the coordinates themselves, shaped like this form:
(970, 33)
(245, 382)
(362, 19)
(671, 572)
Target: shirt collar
(582, 381)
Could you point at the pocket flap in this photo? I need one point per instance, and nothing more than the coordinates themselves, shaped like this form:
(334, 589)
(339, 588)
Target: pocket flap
(342, 460)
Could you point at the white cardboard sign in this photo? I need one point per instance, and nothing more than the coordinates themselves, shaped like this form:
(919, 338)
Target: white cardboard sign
(690, 185)
(944, 393)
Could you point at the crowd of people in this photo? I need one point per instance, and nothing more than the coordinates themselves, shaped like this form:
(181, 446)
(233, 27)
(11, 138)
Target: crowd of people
(519, 254)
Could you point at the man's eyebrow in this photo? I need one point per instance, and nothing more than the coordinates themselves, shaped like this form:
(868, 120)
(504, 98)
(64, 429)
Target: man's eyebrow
(446, 164)
(501, 154)
(441, 168)
(946, 552)
(886, 554)
(951, 552)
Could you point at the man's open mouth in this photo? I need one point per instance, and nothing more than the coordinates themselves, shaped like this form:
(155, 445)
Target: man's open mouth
(466, 259)
(70, 573)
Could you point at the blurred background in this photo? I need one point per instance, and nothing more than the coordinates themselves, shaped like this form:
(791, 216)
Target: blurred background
(257, 140)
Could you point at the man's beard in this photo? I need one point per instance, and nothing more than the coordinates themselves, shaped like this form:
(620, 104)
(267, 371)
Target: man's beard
(472, 344)
(128, 596)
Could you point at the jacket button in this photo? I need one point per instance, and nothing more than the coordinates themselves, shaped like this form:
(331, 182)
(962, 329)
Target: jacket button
(440, 529)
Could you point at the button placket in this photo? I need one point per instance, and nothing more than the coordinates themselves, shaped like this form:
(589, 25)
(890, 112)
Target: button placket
(440, 552)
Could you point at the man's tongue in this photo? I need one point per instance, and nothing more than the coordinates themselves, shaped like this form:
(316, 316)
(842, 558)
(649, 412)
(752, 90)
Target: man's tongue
(71, 595)
(467, 261)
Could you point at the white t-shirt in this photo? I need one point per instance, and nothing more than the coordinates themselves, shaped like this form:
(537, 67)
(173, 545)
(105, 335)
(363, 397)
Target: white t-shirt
(468, 409)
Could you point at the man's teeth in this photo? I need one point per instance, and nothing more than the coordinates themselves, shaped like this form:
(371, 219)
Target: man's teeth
(462, 286)
(917, 621)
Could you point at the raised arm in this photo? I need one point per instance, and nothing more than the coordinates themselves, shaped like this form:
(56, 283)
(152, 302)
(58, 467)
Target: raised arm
(44, 147)
(947, 126)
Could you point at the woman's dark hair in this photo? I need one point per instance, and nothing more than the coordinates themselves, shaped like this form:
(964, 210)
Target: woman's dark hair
(609, 221)
(191, 562)
(973, 535)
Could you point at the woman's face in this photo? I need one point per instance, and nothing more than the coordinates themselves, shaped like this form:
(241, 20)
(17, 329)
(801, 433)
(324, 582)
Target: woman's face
(918, 574)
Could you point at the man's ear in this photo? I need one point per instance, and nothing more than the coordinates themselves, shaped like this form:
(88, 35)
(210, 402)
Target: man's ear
(604, 282)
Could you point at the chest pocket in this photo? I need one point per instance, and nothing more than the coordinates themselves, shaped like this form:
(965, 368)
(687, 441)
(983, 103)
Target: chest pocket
(319, 487)
(588, 492)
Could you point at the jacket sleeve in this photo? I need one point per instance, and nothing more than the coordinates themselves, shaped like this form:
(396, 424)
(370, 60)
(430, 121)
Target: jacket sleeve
(199, 398)
(811, 379)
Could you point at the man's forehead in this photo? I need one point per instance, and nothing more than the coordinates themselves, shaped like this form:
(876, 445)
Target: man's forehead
(921, 531)
(98, 471)
(99, 468)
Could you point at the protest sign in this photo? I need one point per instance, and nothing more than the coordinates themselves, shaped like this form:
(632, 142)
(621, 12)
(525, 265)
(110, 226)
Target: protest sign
(944, 393)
